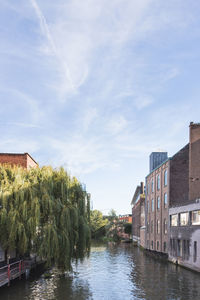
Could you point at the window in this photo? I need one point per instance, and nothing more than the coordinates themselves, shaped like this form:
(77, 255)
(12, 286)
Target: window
(157, 245)
(151, 226)
(196, 217)
(165, 200)
(174, 247)
(165, 246)
(178, 247)
(152, 186)
(187, 249)
(195, 252)
(184, 218)
(152, 245)
(165, 178)
(158, 203)
(158, 226)
(165, 226)
(158, 182)
(148, 189)
(174, 220)
(171, 246)
(184, 249)
(148, 244)
(152, 205)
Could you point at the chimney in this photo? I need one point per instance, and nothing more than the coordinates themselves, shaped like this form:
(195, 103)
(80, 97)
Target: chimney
(142, 188)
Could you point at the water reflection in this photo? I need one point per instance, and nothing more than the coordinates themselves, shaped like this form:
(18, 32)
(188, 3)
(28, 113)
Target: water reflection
(112, 272)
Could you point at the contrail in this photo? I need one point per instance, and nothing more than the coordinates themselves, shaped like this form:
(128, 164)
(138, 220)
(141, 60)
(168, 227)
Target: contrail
(45, 30)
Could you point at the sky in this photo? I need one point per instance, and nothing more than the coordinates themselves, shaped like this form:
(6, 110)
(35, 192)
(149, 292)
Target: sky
(95, 86)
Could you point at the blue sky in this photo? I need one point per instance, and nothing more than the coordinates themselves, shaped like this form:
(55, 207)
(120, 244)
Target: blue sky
(96, 86)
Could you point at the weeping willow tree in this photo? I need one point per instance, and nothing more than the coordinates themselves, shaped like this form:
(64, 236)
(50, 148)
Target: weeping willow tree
(44, 211)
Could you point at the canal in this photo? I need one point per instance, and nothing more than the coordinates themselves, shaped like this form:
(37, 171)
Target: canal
(112, 272)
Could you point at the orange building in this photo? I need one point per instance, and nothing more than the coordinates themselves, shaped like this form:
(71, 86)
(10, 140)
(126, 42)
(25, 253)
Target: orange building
(125, 218)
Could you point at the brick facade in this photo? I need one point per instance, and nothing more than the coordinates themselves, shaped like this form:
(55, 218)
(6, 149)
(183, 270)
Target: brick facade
(179, 174)
(184, 212)
(157, 202)
(125, 218)
(194, 162)
(20, 159)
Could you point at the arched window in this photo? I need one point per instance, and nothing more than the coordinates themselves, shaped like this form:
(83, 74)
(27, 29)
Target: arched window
(158, 203)
(158, 182)
(165, 200)
(158, 226)
(152, 205)
(165, 178)
(152, 186)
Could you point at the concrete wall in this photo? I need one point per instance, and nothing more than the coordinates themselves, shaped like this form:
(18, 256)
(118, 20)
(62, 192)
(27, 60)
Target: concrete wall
(136, 219)
(185, 234)
(142, 236)
(138, 212)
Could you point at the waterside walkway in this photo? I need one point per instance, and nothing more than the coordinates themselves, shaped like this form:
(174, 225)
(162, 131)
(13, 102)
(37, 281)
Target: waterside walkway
(15, 270)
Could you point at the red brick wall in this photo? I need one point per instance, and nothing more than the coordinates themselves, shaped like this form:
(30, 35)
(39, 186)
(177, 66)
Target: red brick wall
(158, 214)
(23, 160)
(194, 162)
(179, 177)
(13, 159)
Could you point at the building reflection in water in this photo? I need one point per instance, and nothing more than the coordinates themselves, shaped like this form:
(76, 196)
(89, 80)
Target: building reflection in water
(157, 279)
(113, 272)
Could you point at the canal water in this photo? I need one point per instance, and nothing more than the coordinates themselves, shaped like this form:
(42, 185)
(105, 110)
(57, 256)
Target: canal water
(120, 272)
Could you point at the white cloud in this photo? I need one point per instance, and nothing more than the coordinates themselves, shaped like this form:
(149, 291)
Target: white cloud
(63, 64)
(116, 125)
(30, 105)
(26, 125)
(143, 101)
(14, 145)
(79, 155)
(171, 74)
(89, 116)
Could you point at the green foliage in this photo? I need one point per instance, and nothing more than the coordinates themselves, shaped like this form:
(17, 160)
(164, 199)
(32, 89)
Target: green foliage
(112, 215)
(43, 211)
(128, 228)
(97, 224)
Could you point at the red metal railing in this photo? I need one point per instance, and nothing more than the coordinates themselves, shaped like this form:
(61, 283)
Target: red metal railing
(12, 271)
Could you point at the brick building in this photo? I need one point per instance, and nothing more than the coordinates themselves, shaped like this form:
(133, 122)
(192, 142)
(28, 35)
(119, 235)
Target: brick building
(184, 211)
(125, 218)
(138, 215)
(20, 159)
(156, 199)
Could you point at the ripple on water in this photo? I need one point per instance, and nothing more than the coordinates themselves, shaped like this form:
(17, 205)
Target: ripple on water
(112, 272)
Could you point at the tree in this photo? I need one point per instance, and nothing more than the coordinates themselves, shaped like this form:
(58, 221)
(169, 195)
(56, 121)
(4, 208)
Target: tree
(43, 211)
(128, 228)
(112, 215)
(97, 224)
